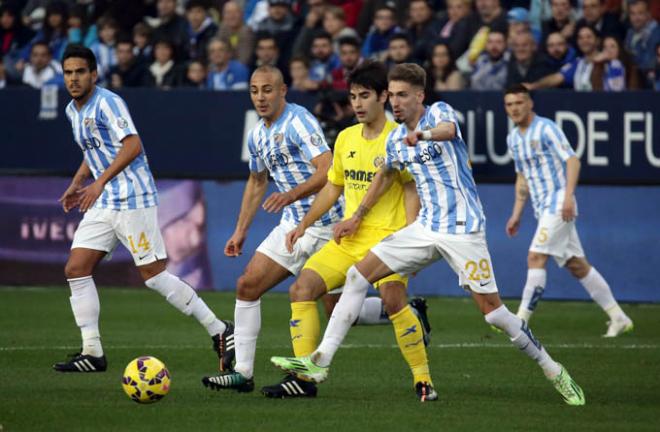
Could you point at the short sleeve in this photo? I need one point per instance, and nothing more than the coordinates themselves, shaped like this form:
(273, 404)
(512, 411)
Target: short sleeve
(516, 162)
(255, 162)
(441, 112)
(557, 142)
(392, 159)
(336, 171)
(117, 118)
(307, 134)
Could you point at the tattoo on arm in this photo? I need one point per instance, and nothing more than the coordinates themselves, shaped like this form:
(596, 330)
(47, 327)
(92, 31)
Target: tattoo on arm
(361, 211)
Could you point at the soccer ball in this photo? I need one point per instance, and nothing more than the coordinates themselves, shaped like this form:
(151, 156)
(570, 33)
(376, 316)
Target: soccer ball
(146, 380)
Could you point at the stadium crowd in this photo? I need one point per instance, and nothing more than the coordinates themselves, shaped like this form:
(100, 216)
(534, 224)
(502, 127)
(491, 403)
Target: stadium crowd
(585, 45)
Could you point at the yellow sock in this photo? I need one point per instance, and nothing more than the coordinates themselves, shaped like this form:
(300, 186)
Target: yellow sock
(410, 337)
(305, 327)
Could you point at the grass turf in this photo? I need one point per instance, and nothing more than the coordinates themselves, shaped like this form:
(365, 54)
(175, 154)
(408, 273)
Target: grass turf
(483, 382)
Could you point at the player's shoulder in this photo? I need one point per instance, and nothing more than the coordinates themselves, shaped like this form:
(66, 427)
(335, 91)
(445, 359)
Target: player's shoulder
(351, 131)
(298, 110)
(440, 106)
(390, 125)
(108, 99)
(70, 108)
(545, 123)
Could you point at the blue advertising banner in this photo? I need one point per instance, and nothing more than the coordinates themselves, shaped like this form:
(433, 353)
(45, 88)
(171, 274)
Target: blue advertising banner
(201, 134)
(618, 227)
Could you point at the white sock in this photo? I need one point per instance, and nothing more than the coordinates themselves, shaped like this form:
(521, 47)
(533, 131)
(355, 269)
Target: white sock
(247, 317)
(372, 312)
(601, 293)
(343, 316)
(86, 308)
(183, 297)
(532, 293)
(522, 337)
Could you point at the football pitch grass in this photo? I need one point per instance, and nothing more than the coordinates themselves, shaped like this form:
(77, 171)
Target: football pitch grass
(484, 383)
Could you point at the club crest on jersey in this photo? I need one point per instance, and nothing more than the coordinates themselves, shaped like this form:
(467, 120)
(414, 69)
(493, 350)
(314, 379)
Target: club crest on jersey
(122, 123)
(379, 161)
(278, 137)
(89, 123)
(535, 144)
(316, 139)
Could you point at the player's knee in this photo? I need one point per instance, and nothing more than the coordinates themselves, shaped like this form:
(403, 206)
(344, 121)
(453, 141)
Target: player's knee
(301, 292)
(578, 266)
(536, 260)
(247, 289)
(355, 281)
(73, 270)
(394, 298)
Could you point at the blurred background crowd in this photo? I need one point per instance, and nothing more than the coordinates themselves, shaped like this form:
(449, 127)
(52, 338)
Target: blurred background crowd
(584, 45)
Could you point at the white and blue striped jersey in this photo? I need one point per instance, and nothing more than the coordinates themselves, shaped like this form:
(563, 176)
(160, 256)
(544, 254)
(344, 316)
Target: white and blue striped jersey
(286, 149)
(443, 175)
(98, 128)
(540, 155)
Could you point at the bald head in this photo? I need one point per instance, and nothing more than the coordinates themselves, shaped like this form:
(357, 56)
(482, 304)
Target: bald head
(270, 74)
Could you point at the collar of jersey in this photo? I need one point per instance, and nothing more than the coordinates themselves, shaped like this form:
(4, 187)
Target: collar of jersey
(280, 119)
(89, 101)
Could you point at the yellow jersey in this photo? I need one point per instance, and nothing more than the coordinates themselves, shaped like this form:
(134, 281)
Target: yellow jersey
(355, 162)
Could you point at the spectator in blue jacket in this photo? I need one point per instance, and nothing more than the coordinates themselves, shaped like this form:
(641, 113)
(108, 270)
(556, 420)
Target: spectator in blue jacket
(378, 39)
(201, 29)
(225, 73)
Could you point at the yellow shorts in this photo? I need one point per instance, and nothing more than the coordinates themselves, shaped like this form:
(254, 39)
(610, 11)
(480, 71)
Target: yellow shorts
(333, 260)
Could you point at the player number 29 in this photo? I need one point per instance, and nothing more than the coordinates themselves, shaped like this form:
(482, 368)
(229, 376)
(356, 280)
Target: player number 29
(480, 271)
(143, 243)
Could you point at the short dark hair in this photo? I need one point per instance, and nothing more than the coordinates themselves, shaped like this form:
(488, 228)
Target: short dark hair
(400, 36)
(80, 51)
(322, 35)
(300, 58)
(517, 89)
(410, 73)
(350, 40)
(264, 35)
(592, 28)
(371, 75)
(203, 4)
(41, 43)
(124, 39)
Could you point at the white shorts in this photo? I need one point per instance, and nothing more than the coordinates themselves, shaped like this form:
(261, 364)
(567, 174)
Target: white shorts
(138, 230)
(274, 246)
(415, 247)
(557, 238)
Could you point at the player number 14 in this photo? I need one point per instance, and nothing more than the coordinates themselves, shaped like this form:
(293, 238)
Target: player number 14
(143, 243)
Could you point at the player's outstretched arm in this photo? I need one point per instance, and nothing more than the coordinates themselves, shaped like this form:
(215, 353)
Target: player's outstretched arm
(380, 184)
(411, 201)
(572, 175)
(255, 189)
(444, 131)
(70, 199)
(278, 200)
(522, 193)
(131, 148)
(322, 203)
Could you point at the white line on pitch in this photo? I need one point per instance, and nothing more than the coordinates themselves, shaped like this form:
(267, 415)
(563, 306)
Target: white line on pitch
(347, 346)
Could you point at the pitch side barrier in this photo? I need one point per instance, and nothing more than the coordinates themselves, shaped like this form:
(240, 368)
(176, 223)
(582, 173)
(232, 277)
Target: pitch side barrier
(201, 134)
